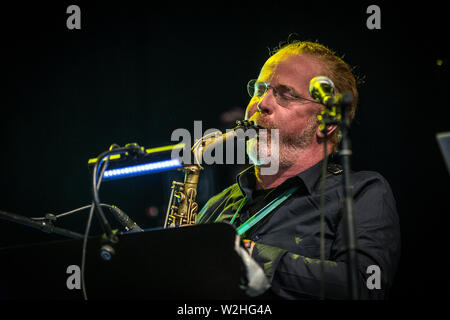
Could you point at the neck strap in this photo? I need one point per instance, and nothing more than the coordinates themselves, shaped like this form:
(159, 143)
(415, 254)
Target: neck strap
(263, 212)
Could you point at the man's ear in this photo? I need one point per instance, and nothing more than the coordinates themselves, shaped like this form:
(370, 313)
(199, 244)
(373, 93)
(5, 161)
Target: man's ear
(330, 130)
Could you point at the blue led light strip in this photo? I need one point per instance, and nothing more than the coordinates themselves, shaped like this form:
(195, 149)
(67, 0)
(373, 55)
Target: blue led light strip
(141, 169)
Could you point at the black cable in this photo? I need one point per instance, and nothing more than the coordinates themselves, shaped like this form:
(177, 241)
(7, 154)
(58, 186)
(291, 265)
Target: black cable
(83, 255)
(86, 233)
(114, 149)
(103, 221)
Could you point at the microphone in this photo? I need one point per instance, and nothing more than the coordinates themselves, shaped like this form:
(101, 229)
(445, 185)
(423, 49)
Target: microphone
(322, 90)
(125, 220)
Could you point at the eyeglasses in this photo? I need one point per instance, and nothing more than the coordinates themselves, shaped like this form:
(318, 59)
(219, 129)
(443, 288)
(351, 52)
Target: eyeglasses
(283, 95)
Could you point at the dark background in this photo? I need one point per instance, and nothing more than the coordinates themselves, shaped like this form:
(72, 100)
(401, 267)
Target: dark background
(135, 73)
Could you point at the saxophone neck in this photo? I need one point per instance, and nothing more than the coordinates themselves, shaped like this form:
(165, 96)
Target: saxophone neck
(210, 141)
(191, 174)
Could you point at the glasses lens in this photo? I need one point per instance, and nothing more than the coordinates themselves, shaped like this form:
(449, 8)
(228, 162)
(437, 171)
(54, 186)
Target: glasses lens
(251, 87)
(257, 89)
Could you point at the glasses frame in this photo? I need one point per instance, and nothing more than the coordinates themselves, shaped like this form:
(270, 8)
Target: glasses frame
(251, 88)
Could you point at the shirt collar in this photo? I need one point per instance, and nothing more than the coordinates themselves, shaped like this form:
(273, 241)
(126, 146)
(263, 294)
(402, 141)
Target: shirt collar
(311, 176)
(246, 180)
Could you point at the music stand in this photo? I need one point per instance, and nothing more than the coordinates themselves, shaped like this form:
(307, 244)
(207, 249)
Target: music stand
(443, 139)
(194, 262)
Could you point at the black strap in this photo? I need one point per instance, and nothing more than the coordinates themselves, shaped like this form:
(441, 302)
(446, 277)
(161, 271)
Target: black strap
(334, 169)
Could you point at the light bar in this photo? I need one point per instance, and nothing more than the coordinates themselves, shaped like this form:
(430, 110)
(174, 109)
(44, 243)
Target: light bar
(141, 169)
(93, 161)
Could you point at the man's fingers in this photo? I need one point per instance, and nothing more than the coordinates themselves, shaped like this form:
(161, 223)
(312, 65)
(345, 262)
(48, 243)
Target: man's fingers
(249, 245)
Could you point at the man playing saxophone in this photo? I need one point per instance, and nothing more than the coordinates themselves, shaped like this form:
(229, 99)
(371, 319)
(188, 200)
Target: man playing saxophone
(286, 241)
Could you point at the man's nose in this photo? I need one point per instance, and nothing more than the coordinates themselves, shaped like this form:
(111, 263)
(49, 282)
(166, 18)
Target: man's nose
(267, 102)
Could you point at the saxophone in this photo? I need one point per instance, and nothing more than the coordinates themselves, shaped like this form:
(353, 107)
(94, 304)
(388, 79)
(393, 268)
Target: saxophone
(182, 208)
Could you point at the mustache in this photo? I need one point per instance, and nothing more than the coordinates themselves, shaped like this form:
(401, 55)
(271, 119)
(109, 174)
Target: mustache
(265, 123)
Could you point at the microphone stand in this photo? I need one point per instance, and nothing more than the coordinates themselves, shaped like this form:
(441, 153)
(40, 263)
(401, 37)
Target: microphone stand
(336, 111)
(45, 226)
(345, 154)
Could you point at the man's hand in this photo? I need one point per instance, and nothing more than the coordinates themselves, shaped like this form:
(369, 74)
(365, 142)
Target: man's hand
(249, 245)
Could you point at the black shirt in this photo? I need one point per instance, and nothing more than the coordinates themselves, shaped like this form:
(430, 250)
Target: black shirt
(288, 238)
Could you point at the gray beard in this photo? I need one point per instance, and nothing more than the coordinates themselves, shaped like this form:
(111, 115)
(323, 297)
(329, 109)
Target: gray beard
(290, 147)
(304, 139)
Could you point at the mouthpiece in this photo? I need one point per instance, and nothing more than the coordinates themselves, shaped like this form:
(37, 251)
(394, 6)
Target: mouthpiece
(213, 139)
(246, 124)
